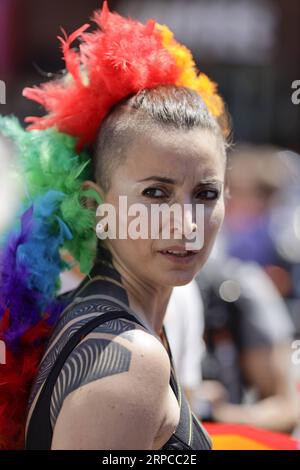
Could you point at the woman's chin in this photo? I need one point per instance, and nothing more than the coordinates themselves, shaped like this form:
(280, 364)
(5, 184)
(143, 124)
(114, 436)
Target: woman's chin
(178, 279)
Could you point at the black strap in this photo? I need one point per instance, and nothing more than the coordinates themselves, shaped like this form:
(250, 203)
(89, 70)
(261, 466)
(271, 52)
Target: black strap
(185, 426)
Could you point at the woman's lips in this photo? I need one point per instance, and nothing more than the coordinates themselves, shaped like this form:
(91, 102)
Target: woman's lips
(179, 255)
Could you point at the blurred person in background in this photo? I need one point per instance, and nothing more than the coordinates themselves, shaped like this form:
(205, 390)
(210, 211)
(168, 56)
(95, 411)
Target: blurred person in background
(250, 294)
(263, 216)
(247, 370)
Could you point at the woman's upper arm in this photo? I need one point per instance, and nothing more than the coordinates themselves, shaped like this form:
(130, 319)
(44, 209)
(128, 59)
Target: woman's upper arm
(123, 409)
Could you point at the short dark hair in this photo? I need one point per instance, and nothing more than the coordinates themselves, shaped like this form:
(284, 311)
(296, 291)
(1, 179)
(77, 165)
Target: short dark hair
(166, 106)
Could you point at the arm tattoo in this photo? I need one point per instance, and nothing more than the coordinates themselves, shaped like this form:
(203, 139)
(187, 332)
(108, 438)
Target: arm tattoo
(71, 321)
(92, 359)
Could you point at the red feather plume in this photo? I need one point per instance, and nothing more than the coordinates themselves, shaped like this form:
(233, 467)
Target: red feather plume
(16, 377)
(116, 60)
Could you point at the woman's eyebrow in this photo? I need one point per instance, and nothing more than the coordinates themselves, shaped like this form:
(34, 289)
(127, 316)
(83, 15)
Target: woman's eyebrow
(164, 179)
(212, 181)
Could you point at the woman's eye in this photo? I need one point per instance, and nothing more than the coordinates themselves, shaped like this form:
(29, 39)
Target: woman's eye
(154, 192)
(208, 194)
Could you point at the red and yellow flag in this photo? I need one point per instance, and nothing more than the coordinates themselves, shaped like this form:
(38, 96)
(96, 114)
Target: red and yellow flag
(240, 437)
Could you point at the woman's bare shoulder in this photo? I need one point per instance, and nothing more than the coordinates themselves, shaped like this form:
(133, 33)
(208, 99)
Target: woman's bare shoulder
(118, 374)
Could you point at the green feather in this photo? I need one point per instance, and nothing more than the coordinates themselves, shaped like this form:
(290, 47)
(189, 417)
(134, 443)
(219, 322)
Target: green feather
(48, 160)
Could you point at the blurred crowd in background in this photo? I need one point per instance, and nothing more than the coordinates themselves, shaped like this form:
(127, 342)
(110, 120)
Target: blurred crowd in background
(235, 358)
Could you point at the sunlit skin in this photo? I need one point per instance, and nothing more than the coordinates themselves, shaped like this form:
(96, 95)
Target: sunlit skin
(190, 166)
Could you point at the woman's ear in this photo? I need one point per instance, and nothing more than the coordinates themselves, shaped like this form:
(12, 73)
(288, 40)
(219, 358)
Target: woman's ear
(93, 195)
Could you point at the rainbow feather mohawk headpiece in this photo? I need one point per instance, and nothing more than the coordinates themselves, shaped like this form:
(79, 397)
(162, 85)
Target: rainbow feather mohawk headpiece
(119, 58)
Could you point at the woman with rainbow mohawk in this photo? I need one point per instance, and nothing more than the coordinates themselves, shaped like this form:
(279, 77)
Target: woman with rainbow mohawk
(130, 115)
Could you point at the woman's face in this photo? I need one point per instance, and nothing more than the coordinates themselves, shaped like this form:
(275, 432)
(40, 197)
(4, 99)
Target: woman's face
(182, 167)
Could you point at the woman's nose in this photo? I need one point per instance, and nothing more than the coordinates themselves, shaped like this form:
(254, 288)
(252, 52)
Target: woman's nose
(183, 224)
(189, 225)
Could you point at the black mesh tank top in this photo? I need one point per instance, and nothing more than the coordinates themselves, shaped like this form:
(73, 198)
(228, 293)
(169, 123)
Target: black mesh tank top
(98, 299)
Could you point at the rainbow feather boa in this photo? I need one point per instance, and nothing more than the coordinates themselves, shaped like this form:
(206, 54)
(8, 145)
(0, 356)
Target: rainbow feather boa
(51, 218)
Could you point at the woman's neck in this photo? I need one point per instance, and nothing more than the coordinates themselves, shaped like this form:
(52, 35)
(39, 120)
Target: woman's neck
(148, 301)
